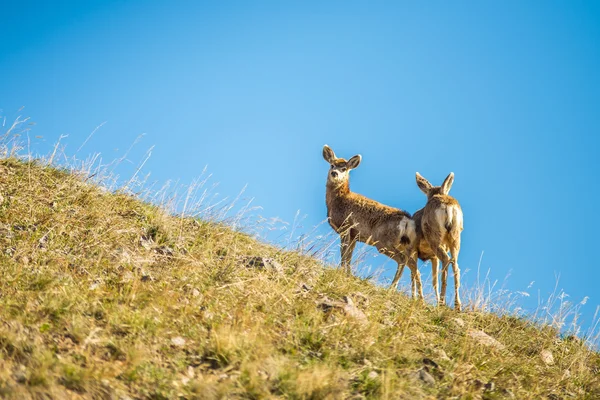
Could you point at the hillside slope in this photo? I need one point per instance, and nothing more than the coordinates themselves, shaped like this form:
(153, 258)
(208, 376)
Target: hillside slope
(103, 296)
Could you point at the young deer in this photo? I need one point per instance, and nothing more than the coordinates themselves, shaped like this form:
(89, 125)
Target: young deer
(440, 225)
(424, 253)
(360, 219)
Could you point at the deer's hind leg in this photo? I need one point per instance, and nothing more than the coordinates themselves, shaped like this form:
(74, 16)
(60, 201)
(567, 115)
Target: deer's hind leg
(435, 242)
(434, 277)
(454, 250)
(399, 258)
(397, 277)
(415, 275)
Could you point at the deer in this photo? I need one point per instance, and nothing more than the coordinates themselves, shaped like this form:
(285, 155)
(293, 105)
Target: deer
(438, 226)
(357, 218)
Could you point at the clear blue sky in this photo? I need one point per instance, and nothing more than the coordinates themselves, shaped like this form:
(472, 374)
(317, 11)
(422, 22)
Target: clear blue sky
(505, 94)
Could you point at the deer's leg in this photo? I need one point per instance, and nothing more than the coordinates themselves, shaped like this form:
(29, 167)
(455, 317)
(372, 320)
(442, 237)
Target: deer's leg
(347, 247)
(402, 257)
(434, 276)
(435, 242)
(397, 277)
(441, 254)
(454, 250)
(415, 277)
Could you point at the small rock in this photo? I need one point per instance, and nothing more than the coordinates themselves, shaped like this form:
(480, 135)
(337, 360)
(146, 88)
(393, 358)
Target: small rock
(373, 375)
(19, 228)
(263, 374)
(42, 242)
(146, 242)
(426, 377)
(441, 354)
(222, 377)
(263, 263)
(508, 393)
(20, 376)
(326, 304)
(146, 277)
(165, 251)
(306, 288)
(127, 277)
(195, 292)
(490, 386)
(178, 341)
(477, 384)
(459, 322)
(352, 311)
(347, 307)
(547, 357)
(190, 372)
(483, 338)
(567, 374)
(361, 299)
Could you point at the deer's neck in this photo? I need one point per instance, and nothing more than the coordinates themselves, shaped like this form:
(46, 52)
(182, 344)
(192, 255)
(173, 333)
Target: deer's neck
(336, 192)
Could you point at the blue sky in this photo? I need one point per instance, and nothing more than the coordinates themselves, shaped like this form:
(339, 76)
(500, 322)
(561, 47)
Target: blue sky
(504, 94)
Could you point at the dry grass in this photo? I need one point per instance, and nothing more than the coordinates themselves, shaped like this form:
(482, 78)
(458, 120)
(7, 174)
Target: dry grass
(105, 296)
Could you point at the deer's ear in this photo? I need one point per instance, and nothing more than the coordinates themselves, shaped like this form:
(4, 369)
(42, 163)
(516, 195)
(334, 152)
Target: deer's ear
(328, 154)
(354, 161)
(448, 183)
(423, 184)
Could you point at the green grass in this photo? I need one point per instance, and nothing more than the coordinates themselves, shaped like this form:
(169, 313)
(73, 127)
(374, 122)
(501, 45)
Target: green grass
(105, 296)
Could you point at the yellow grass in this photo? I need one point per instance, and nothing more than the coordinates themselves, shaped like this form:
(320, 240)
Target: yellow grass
(105, 296)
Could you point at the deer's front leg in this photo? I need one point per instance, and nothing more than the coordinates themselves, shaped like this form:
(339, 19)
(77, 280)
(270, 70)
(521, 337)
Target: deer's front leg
(417, 285)
(347, 247)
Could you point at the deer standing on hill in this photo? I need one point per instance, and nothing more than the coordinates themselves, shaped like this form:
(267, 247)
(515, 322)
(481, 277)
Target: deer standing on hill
(359, 219)
(439, 225)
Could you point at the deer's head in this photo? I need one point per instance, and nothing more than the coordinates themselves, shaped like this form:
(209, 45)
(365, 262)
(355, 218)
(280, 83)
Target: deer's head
(339, 170)
(431, 190)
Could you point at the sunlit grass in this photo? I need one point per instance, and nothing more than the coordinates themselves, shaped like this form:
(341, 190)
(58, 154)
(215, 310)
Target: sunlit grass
(103, 295)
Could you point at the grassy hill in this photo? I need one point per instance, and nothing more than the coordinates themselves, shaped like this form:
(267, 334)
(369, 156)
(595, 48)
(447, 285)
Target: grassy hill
(104, 296)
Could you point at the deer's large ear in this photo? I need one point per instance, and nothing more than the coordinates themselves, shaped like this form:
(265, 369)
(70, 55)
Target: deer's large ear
(328, 154)
(423, 184)
(354, 161)
(448, 183)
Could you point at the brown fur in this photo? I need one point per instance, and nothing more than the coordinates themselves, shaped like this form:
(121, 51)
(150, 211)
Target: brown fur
(439, 226)
(359, 219)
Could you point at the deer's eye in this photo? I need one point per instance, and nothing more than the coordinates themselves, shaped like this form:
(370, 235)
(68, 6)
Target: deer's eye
(343, 169)
(332, 167)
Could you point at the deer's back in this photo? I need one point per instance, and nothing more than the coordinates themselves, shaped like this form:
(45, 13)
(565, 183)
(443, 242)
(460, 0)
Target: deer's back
(371, 220)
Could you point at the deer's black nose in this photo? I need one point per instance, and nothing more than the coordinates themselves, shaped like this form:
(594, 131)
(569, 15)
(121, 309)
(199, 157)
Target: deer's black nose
(334, 173)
